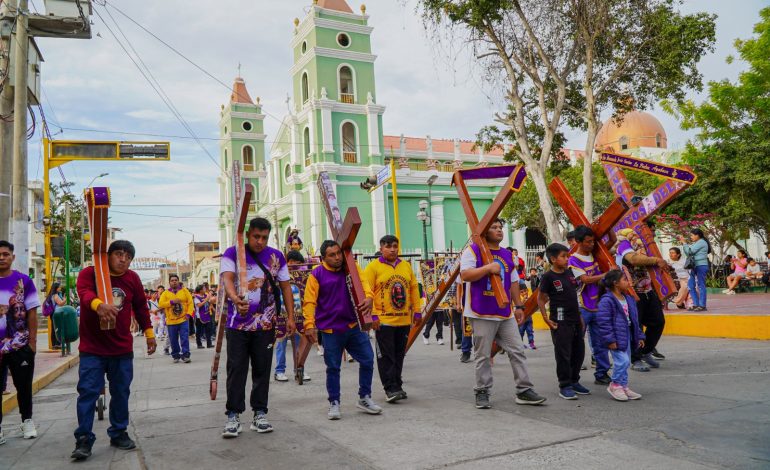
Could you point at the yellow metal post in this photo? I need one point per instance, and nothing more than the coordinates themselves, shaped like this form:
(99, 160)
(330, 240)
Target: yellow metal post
(395, 200)
(47, 228)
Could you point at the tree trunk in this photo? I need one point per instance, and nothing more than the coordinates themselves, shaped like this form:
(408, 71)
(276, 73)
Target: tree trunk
(537, 175)
(588, 176)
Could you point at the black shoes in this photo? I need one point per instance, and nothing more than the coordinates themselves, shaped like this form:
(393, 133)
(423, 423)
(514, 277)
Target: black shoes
(465, 357)
(657, 355)
(529, 397)
(82, 449)
(123, 442)
(393, 397)
(605, 380)
(482, 400)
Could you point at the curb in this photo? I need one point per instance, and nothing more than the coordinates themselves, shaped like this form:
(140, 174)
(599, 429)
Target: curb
(10, 402)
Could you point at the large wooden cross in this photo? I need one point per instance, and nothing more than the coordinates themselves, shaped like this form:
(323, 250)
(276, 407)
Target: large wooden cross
(515, 176)
(600, 227)
(98, 203)
(677, 180)
(241, 200)
(344, 233)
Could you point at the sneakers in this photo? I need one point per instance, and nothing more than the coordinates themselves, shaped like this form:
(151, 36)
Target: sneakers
(320, 351)
(200, 346)
(392, 397)
(281, 377)
(425, 340)
(482, 400)
(232, 426)
(617, 392)
(650, 361)
(532, 345)
(2, 438)
(603, 380)
(567, 393)
(334, 410)
(166, 351)
(529, 397)
(640, 366)
(186, 360)
(658, 355)
(440, 341)
(123, 442)
(465, 357)
(260, 423)
(28, 429)
(725, 291)
(631, 394)
(368, 405)
(176, 360)
(82, 448)
(580, 390)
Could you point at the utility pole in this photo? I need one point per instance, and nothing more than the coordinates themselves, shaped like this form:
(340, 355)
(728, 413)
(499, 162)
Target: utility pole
(20, 216)
(6, 127)
(67, 248)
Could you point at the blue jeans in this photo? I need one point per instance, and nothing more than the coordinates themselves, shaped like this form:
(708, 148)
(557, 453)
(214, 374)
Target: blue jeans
(179, 334)
(621, 361)
(357, 344)
(698, 277)
(527, 328)
(91, 371)
(597, 346)
(280, 353)
(467, 344)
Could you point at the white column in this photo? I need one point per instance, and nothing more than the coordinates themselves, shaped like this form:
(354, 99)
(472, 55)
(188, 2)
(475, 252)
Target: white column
(373, 125)
(520, 240)
(311, 130)
(296, 202)
(379, 206)
(326, 126)
(506, 238)
(293, 137)
(437, 223)
(315, 218)
(276, 182)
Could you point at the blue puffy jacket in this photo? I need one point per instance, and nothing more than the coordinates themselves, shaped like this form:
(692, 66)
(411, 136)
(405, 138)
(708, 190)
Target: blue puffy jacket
(612, 324)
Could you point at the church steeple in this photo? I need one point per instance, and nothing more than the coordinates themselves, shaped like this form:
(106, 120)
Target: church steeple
(336, 5)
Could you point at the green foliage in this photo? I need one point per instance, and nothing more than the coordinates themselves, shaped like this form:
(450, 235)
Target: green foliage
(732, 152)
(61, 195)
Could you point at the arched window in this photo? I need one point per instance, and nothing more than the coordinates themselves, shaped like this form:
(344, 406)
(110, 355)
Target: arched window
(349, 143)
(623, 143)
(247, 154)
(305, 89)
(226, 164)
(347, 92)
(657, 140)
(306, 145)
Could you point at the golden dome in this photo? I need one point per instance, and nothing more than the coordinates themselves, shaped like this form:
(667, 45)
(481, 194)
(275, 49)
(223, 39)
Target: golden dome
(638, 129)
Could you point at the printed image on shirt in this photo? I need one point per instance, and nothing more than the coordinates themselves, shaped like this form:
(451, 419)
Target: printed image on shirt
(396, 287)
(503, 270)
(118, 297)
(17, 295)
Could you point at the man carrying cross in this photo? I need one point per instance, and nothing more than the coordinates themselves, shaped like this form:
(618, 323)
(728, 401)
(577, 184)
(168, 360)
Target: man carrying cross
(251, 324)
(491, 322)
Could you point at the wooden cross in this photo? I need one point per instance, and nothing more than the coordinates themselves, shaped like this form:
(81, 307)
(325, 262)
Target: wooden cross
(344, 233)
(677, 180)
(516, 176)
(98, 202)
(241, 201)
(600, 227)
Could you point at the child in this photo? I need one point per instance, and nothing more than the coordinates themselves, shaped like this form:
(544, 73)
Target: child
(526, 326)
(559, 288)
(618, 325)
(753, 270)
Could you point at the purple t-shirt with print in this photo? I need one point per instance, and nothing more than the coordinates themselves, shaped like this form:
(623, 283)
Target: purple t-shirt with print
(261, 298)
(589, 293)
(17, 295)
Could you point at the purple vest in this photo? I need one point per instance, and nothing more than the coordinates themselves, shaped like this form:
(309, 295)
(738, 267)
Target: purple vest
(483, 302)
(334, 310)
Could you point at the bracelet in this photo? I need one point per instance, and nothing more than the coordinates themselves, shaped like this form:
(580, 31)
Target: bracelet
(518, 307)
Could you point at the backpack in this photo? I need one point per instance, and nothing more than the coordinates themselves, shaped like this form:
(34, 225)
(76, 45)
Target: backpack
(48, 307)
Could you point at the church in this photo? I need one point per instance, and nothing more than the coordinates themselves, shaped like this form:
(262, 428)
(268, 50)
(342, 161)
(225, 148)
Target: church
(335, 124)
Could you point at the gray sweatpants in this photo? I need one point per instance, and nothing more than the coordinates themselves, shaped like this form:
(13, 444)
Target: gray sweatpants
(506, 334)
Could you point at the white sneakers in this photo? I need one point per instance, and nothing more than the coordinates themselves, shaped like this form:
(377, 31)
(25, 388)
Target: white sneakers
(28, 429)
(425, 340)
(320, 351)
(281, 377)
(441, 341)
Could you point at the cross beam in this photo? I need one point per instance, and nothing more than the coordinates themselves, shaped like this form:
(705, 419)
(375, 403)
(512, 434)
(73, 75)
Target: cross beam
(516, 176)
(677, 180)
(344, 233)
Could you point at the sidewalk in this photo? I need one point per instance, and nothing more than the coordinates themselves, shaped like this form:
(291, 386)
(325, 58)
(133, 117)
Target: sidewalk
(48, 366)
(707, 407)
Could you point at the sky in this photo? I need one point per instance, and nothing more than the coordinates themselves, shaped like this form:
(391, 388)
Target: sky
(92, 85)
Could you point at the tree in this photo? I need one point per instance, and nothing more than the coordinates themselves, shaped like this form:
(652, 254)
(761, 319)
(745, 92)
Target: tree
(731, 153)
(61, 196)
(529, 50)
(632, 52)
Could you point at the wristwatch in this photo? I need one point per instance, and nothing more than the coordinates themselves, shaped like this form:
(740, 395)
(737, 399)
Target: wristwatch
(519, 307)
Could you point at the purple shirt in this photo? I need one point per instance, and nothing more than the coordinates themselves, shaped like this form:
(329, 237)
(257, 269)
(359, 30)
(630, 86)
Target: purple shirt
(261, 298)
(202, 308)
(334, 309)
(17, 296)
(583, 265)
(482, 303)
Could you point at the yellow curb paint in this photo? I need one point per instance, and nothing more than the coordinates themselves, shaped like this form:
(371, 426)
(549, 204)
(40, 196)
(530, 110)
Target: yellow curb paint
(10, 402)
(706, 325)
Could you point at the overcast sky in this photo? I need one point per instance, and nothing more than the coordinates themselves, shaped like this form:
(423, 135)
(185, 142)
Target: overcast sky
(93, 85)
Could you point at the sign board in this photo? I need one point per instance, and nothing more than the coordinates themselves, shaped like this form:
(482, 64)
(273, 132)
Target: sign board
(68, 150)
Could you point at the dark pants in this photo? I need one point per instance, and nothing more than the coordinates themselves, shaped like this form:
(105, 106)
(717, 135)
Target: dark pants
(600, 351)
(650, 316)
(21, 364)
(391, 341)
(3, 378)
(179, 337)
(438, 319)
(91, 372)
(457, 324)
(191, 324)
(204, 330)
(569, 349)
(244, 347)
(357, 344)
(527, 328)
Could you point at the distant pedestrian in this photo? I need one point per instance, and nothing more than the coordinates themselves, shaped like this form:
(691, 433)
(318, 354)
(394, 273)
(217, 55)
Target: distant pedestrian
(697, 253)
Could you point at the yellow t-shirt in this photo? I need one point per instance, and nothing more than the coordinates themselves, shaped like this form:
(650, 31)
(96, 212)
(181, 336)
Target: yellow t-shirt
(396, 294)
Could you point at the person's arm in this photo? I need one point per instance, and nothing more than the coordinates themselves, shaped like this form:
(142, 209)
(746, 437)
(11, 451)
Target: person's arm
(288, 303)
(59, 300)
(542, 299)
(32, 328)
(242, 305)
(414, 294)
(86, 287)
(309, 306)
(638, 259)
(459, 296)
(474, 274)
(365, 307)
(165, 300)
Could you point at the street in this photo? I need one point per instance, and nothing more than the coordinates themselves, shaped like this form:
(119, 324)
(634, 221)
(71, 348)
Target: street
(707, 407)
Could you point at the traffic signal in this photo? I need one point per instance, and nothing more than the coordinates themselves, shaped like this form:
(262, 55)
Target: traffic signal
(57, 247)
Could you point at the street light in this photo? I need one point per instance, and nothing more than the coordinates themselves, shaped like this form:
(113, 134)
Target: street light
(95, 178)
(423, 217)
(192, 256)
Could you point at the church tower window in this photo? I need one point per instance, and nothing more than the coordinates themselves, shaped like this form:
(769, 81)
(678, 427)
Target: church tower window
(343, 40)
(248, 158)
(246, 126)
(347, 85)
(304, 46)
(306, 145)
(305, 88)
(349, 143)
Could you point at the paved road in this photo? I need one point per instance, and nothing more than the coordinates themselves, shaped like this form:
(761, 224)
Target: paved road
(708, 407)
